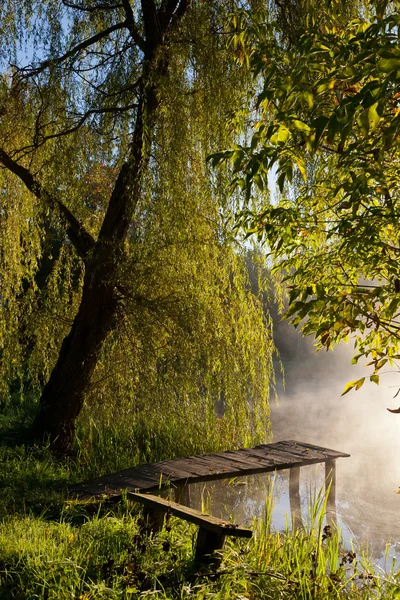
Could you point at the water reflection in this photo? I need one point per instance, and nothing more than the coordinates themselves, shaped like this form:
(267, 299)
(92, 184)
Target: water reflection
(243, 499)
(312, 410)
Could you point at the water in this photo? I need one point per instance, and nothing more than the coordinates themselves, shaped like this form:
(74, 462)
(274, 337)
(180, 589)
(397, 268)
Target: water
(312, 410)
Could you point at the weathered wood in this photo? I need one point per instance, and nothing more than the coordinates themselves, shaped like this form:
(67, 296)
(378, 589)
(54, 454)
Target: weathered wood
(221, 463)
(202, 467)
(212, 531)
(207, 546)
(241, 461)
(294, 497)
(208, 467)
(328, 452)
(300, 451)
(270, 458)
(190, 514)
(254, 460)
(154, 518)
(330, 488)
(178, 468)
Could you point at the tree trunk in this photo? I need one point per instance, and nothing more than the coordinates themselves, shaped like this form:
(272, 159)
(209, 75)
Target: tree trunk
(63, 396)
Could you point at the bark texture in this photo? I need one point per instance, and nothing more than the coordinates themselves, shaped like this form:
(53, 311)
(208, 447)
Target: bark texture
(63, 396)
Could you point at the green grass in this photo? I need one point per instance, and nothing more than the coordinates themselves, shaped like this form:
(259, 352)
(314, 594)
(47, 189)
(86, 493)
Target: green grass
(52, 548)
(109, 555)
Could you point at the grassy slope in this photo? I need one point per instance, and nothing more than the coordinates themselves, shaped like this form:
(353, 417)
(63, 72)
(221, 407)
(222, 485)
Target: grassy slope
(54, 549)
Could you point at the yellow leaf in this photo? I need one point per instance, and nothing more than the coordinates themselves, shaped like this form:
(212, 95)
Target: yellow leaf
(357, 383)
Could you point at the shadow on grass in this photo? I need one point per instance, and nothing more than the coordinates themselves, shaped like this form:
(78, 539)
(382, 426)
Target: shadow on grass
(32, 480)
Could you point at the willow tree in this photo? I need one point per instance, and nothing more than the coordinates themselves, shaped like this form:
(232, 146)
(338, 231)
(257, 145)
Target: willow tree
(119, 275)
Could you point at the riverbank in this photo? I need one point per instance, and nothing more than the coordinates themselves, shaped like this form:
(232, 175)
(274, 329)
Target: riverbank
(52, 548)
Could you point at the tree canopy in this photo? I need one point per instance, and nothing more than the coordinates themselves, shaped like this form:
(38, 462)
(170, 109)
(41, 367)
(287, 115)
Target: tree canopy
(121, 284)
(327, 120)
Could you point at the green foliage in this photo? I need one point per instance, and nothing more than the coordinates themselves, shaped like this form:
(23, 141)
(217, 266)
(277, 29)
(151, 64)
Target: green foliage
(192, 350)
(102, 559)
(109, 557)
(328, 127)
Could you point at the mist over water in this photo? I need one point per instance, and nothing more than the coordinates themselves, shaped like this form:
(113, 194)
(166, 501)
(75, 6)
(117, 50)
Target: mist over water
(312, 410)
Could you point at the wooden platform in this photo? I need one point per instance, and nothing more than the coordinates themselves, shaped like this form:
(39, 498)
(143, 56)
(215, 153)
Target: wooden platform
(208, 467)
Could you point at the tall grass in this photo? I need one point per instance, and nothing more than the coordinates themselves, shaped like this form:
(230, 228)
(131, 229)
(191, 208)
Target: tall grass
(53, 548)
(110, 555)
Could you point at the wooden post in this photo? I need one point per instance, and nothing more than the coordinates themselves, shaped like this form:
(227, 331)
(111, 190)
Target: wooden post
(209, 542)
(294, 497)
(154, 519)
(182, 493)
(330, 480)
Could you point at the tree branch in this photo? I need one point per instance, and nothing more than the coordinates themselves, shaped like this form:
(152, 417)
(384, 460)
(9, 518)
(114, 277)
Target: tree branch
(131, 25)
(151, 26)
(171, 11)
(91, 8)
(165, 12)
(79, 236)
(172, 16)
(80, 122)
(31, 71)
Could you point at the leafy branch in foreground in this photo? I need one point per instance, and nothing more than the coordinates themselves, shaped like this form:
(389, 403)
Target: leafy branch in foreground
(328, 126)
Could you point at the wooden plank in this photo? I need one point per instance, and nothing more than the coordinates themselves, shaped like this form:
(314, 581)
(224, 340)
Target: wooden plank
(177, 469)
(217, 464)
(268, 460)
(256, 467)
(190, 514)
(273, 456)
(302, 452)
(244, 462)
(220, 461)
(280, 457)
(198, 466)
(300, 456)
(261, 458)
(327, 451)
(305, 452)
(287, 452)
(281, 461)
(135, 482)
(129, 474)
(121, 476)
(220, 465)
(112, 484)
(220, 468)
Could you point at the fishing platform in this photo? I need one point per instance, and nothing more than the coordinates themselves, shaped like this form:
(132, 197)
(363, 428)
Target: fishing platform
(144, 482)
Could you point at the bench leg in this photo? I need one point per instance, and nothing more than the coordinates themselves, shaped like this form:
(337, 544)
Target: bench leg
(154, 519)
(294, 497)
(207, 543)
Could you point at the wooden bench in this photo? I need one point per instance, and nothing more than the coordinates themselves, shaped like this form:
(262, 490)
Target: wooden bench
(212, 531)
